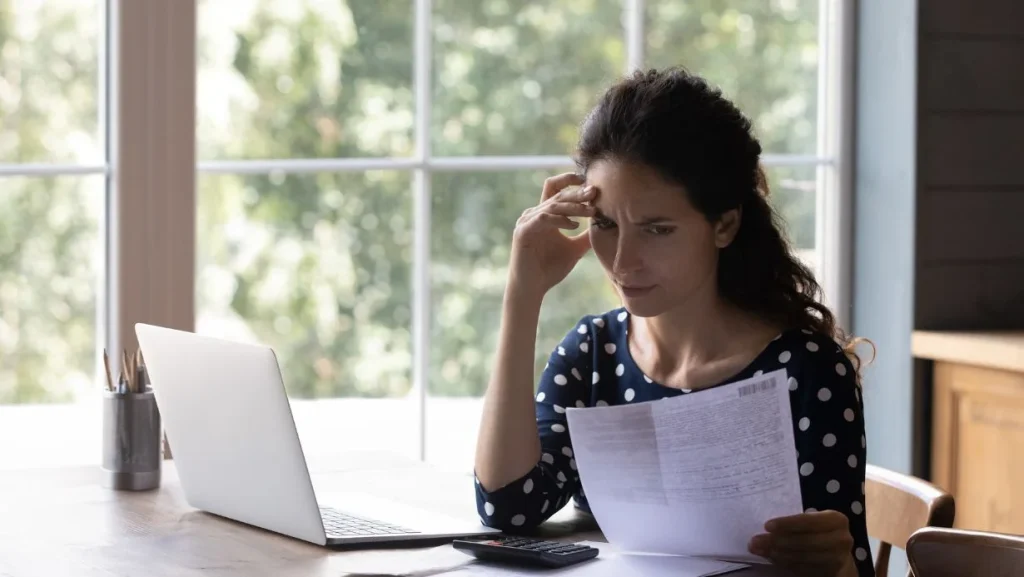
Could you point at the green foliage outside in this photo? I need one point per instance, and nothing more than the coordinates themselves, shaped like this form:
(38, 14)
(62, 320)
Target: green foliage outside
(319, 265)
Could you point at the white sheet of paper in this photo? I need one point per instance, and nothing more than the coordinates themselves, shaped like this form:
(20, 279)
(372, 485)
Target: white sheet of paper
(610, 563)
(695, 475)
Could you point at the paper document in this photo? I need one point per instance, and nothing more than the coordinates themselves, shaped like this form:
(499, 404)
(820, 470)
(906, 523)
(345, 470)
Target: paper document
(695, 475)
(611, 563)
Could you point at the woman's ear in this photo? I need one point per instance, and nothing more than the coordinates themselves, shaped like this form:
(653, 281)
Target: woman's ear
(727, 226)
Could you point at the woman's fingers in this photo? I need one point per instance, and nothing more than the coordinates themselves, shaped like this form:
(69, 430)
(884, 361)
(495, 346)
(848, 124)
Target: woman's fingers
(567, 208)
(557, 220)
(555, 184)
(816, 522)
(833, 540)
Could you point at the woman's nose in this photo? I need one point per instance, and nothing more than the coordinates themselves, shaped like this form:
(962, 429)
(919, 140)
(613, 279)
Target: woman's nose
(628, 255)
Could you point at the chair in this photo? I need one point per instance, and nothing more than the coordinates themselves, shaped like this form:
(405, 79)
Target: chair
(897, 505)
(935, 552)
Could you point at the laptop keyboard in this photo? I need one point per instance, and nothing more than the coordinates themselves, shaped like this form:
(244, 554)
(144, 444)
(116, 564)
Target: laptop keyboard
(338, 524)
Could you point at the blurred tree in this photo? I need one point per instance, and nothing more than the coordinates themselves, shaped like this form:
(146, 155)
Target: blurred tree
(319, 265)
(323, 78)
(49, 227)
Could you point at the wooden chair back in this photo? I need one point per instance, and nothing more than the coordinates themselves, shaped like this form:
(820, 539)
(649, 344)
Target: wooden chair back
(898, 505)
(935, 552)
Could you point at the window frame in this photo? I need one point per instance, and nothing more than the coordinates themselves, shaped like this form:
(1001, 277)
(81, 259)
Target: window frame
(148, 87)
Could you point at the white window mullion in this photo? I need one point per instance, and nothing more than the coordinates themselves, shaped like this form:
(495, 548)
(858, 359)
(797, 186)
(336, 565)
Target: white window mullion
(635, 35)
(421, 221)
(833, 231)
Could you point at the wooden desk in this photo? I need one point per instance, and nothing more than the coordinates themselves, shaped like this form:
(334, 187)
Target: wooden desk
(62, 522)
(978, 424)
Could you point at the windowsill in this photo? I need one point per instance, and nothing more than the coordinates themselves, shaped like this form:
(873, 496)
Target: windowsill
(44, 436)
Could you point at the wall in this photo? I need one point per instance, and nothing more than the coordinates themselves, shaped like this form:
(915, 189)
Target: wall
(970, 206)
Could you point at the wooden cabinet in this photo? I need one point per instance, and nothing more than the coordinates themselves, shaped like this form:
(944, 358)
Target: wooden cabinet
(978, 425)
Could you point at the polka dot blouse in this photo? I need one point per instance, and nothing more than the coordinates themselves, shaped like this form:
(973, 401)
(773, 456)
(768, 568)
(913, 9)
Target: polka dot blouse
(592, 367)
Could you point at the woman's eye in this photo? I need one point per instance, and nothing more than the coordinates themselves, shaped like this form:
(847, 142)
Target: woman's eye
(602, 223)
(659, 230)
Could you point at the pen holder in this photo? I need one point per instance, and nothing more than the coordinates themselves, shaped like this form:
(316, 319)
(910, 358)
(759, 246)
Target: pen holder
(132, 440)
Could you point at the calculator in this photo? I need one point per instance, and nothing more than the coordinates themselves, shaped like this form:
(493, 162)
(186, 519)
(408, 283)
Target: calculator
(520, 551)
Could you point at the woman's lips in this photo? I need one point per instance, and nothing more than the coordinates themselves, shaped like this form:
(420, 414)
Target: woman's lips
(635, 291)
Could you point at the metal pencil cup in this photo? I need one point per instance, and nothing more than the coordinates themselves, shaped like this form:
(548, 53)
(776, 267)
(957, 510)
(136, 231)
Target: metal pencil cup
(132, 439)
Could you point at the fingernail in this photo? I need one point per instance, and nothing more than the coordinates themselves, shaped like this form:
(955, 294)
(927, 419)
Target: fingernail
(588, 190)
(770, 526)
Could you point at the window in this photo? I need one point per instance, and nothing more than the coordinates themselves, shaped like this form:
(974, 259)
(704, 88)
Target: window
(362, 166)
(52, 207)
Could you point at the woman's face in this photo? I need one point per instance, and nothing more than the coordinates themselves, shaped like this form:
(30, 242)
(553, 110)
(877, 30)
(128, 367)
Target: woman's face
(657, 249)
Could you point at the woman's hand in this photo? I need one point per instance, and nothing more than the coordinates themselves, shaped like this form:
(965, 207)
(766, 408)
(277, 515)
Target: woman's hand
(541, 255)
(815, 544)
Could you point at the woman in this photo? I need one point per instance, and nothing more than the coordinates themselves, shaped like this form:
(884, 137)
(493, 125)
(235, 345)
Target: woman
(679, 219)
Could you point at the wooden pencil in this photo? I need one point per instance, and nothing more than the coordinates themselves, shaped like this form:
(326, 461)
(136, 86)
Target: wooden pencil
(106, 365)
(126, 374)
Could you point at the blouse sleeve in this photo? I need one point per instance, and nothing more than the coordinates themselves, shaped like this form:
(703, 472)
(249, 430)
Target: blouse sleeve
(533, 498)
(831, 443)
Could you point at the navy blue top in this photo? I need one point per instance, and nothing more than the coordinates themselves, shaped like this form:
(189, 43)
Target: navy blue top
(592, 366)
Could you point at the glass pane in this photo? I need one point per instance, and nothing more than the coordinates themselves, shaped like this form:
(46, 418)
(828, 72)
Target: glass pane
(51, 259)
(49, 81)
(517, 78)
(318, 266)
(304, 79)
(793, 194)
(473, 217)
(763, 54)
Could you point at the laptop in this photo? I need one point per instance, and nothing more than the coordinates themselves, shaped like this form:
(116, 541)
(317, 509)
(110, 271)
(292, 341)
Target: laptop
(237, 452)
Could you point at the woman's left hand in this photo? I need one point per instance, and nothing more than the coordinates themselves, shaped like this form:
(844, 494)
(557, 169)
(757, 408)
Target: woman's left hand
(817, 544)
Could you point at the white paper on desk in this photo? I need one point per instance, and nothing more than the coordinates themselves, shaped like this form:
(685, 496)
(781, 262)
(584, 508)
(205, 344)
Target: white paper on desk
(610, 563)
(695, 475)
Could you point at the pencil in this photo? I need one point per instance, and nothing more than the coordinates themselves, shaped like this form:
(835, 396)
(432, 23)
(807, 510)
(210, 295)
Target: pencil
(124, 370)
(106, 365)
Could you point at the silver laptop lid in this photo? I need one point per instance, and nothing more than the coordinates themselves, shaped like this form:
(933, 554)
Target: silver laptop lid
(230, 428)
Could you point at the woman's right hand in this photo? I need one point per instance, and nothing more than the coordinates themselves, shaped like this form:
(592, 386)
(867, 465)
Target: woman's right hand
(542, 256)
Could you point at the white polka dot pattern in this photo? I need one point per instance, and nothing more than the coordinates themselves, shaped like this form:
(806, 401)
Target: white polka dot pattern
(825, 404)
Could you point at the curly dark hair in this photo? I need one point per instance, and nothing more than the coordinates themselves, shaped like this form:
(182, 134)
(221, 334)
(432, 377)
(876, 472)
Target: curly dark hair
(676, 123)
